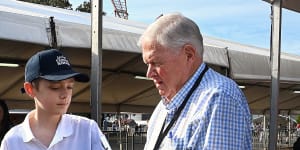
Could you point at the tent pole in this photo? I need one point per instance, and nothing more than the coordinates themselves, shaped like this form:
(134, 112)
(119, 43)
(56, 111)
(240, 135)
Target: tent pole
(96, 61)
(264, 132)
(275, 71)
(289, 128)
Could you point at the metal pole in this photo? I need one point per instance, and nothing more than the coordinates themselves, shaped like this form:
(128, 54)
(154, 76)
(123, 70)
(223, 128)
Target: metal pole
(275, 71)
(289, 128)
(126, 138)
(96, 60)
(120, 131)
(132, 141)
(264, 132)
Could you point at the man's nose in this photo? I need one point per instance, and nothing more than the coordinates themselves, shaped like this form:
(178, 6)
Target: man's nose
(149, 71)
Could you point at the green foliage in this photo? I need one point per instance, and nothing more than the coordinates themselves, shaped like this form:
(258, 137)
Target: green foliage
(85, 7)
(298, 119)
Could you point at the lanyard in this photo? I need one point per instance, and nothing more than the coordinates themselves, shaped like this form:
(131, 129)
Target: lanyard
(163, 132)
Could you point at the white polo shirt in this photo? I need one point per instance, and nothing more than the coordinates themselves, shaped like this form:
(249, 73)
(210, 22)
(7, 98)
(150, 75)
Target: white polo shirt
(73, 133)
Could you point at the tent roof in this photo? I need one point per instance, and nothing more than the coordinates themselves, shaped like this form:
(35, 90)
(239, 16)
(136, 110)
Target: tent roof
(293, 5)
(25, 30)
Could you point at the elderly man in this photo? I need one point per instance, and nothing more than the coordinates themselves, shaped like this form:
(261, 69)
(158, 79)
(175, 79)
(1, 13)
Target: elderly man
(200, 108)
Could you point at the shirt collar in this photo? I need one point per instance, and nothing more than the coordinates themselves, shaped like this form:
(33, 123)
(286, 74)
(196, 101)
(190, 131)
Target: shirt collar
(180, 95)
(27, 134)
(64, 129)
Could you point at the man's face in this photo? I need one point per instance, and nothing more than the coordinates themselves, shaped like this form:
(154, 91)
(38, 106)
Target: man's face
(53, 97)
(167, 68)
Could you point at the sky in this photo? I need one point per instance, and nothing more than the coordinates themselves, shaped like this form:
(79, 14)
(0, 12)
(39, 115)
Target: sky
(246, 22)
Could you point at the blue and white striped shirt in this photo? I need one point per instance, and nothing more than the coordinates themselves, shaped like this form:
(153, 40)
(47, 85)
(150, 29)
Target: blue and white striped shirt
(216, 117)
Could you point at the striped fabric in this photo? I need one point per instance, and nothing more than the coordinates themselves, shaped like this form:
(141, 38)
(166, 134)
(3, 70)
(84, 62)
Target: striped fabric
(216, 117)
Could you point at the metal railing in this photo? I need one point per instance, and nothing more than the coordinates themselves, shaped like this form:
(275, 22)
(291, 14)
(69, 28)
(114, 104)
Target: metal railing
(135, 140)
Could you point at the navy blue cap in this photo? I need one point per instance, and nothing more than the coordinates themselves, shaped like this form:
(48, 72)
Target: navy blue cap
(51, 65)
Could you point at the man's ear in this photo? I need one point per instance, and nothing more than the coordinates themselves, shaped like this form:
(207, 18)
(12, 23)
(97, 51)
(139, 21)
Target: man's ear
(28, 89)
(189, 51)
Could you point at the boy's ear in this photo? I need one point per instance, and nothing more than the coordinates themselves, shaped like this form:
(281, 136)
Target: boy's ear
(28, 88)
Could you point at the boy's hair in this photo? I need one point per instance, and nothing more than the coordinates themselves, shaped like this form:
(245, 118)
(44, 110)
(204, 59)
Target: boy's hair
(35, 83)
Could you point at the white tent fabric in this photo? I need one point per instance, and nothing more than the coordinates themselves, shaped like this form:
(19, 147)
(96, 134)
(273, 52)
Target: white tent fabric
(20, 20)
(27, 22)
(25, 29)
(73, 28)
(253, 63)
(21, 27)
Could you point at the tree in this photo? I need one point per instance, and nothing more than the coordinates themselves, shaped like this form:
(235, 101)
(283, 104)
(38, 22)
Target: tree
(55, 3)
(298, 119)
(85, 6)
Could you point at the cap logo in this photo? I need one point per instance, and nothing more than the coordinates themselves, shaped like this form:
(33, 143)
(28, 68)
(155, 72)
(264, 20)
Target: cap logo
(62, 60)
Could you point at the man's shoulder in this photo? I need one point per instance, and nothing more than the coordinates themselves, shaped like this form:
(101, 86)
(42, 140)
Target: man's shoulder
(223, 86)
(219, 81)
(217, 76)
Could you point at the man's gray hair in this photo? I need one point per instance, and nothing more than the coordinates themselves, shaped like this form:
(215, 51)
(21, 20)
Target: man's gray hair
(174, 31)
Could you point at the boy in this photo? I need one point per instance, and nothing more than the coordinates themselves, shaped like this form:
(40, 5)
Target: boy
(49, 80)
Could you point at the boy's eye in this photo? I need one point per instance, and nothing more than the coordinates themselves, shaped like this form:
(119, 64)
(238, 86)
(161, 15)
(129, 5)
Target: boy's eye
(54, 88)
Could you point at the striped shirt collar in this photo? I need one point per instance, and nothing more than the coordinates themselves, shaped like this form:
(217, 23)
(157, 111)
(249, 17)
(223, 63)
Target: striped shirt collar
(180, 95)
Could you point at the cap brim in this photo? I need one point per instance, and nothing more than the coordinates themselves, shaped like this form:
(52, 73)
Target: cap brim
(79, 77)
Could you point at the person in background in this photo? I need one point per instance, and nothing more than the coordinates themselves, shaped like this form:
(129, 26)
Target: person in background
(49, 81)
(4, 119)
(200, 109)
(296, 145)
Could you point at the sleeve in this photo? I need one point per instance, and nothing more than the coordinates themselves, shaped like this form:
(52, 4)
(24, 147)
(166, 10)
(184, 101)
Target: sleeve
(3, 145)
(6, 141)
(99, 141)
(226, 125)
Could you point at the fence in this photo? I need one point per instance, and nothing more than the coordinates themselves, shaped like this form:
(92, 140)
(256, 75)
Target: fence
(285, 140)
(131, 140)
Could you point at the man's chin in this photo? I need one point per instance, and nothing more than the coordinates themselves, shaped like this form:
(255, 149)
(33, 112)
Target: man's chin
(163, 93)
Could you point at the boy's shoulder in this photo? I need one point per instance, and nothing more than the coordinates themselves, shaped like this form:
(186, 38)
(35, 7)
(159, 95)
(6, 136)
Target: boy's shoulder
(77, 119)
(16, 132)
(74, 123)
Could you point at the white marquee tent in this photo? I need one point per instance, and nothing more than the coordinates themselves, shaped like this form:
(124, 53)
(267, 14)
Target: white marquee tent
(25, 28)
